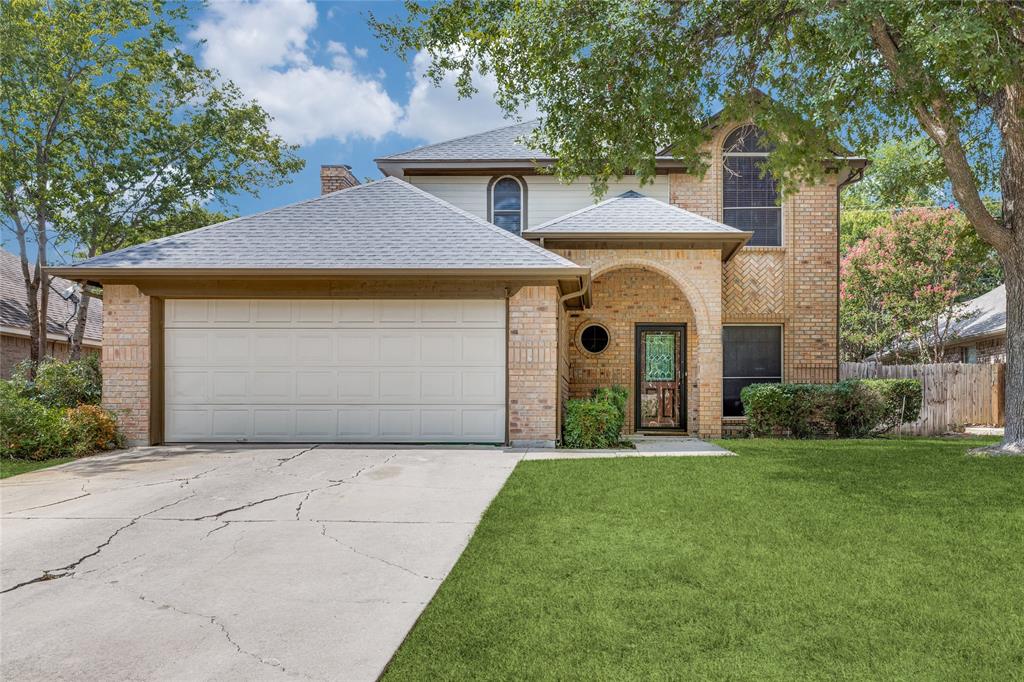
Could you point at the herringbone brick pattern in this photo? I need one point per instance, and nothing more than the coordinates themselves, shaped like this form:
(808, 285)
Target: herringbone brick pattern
(754, 283)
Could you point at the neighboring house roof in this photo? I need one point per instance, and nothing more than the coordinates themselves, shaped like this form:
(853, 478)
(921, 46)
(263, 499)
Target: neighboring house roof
(632, 212)
(382, 226)
(982, 316)
(632, 216)
(14, 308)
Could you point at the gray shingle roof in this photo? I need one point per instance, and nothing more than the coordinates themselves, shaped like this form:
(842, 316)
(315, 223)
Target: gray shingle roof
(490, 145)
(386, 224)
(632, 212)
(500, 144)
(14, 309)
(983, 316)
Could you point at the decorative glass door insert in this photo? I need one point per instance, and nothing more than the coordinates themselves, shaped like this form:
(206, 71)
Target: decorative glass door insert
(659, 376)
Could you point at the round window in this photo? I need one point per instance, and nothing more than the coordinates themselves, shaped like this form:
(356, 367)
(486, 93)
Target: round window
(594, 338)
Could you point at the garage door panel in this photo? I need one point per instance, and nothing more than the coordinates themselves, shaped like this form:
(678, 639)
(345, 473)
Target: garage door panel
(230, 386)
(231, 423)
(483, 348)
(273, 423)
(186, 347)
(315, 348)
(356, 347)
(231, 311)
(357, 423)
(357, 385)
(316, 385)
(403, 371)
(440, 386)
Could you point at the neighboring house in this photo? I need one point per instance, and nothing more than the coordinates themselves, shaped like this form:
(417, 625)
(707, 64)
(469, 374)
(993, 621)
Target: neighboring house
(467, 296)
(980, 335)
(15, 345)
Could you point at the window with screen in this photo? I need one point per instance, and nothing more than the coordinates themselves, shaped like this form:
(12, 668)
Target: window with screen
(750, 355)
(749, 196)
(507, 204)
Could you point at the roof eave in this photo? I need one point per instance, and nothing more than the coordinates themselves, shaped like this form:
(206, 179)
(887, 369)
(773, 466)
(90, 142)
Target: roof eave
(731, 241)
(111, 274)
(403, 167)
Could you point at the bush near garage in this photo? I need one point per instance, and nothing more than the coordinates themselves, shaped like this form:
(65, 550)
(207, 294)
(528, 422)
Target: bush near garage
(55, 414)
(61, 384)
(848, 409)
(596, 422)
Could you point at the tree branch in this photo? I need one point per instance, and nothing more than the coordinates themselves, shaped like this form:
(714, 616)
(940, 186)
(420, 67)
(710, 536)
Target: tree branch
(940, 124)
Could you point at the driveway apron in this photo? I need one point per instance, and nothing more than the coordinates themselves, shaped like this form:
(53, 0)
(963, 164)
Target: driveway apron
(232, 562)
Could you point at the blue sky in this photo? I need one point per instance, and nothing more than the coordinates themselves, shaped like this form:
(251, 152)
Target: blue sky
(320, 72)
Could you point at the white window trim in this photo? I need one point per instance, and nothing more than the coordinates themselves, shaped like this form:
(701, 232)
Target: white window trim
(782, 355)
(522, 201)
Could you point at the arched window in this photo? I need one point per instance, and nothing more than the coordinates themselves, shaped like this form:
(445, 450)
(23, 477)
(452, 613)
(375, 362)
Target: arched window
(506, 202)
(749, 200)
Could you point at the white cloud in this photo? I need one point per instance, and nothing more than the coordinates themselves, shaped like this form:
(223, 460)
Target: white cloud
(437, 113)
(316, 92)
(264, 47)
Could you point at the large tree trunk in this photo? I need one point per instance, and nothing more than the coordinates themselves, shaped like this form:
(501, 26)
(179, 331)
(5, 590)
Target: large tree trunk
(1013, 264)
(80, 320)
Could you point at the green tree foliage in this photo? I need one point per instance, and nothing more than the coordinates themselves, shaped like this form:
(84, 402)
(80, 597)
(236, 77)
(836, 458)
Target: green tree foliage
(111, 134)
(902, 285)
(618, 82)
(902, 174)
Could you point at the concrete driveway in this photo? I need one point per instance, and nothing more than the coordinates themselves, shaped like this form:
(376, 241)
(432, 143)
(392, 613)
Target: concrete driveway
(232, 562)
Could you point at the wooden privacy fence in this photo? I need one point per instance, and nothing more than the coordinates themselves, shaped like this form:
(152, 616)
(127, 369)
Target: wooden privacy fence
(954, 394)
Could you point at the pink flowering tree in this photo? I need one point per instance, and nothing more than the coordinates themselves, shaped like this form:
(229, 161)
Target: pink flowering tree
(903, 285)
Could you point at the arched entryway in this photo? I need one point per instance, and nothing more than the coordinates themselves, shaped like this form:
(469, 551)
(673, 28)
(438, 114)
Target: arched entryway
(639, 316)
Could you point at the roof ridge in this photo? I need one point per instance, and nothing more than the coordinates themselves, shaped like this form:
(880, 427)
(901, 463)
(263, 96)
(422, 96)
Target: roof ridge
(454, 139)
(485, 223)
(169, 237)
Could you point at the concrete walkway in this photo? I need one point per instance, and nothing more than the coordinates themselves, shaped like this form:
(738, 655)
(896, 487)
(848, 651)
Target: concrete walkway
(239, 562)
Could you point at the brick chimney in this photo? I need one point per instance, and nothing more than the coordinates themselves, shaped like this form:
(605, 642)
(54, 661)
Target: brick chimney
(333, 178)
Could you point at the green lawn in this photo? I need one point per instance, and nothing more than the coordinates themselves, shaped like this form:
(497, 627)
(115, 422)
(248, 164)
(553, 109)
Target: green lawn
(13, 467)
(795, 561)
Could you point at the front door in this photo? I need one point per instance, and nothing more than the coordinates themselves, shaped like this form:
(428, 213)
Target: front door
(660, 376)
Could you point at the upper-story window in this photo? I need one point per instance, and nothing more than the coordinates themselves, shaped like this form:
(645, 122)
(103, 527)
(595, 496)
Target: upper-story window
(750, 197)
(507, 204)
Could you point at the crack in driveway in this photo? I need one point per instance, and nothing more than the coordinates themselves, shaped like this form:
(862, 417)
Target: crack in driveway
(63, 571)
(323, 532)
(272, 662)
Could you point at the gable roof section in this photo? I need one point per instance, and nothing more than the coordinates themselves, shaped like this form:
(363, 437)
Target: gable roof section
(500, 144)
(982, 316)
(632, 216)
(14, 309)
(632, 213)
(386, 226)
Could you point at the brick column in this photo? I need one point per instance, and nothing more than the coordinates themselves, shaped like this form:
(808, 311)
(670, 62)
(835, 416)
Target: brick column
(126, 360)
(533, 389)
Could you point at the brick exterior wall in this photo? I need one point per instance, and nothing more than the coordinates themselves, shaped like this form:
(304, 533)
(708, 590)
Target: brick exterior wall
(533, 366)
(688, 282)
(16, 349)
(796, 284)
(989, 351)
(126, 360)
(622, 299)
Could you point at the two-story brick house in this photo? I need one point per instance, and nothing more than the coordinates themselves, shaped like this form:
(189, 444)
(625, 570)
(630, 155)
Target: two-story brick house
(467, 295)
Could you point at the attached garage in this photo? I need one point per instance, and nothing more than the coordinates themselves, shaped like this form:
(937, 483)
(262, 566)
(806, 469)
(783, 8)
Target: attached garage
(334, 371)
(377, 313)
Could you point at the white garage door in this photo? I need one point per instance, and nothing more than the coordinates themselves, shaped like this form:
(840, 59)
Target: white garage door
(334, 371)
